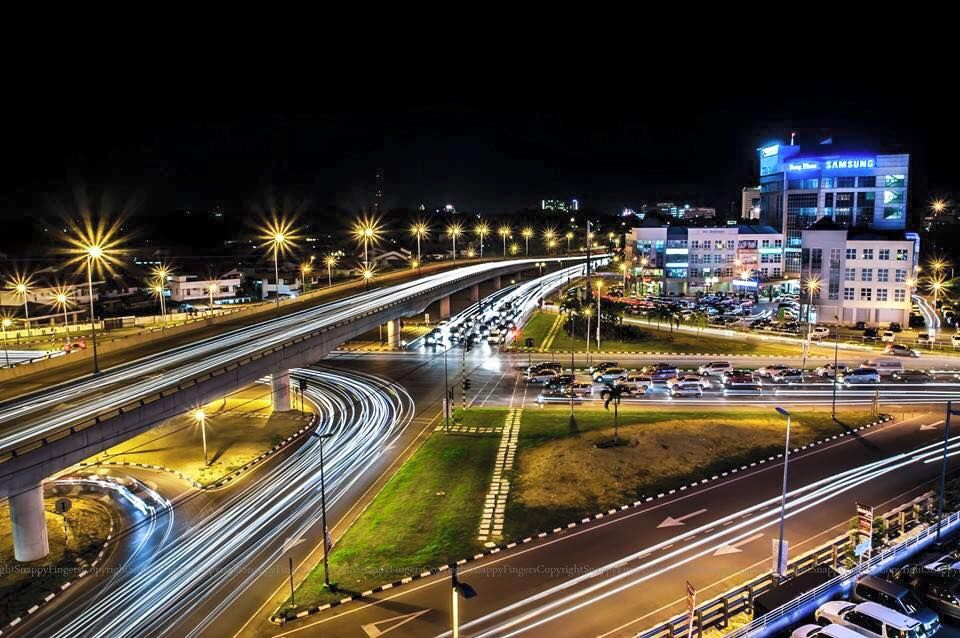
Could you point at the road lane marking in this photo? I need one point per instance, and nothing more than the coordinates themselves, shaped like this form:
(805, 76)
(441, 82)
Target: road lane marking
(373, 631)
(670, 521)
(930, 426)
(734, 548)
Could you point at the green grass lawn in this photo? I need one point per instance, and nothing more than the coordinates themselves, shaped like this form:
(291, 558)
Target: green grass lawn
(560, 476)
(537, 329)
(88, 523)
(428, 514)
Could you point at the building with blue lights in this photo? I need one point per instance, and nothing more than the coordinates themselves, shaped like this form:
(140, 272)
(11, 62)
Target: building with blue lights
(855, 188)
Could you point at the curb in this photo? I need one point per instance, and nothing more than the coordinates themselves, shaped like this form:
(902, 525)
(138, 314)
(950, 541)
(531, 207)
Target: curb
(663, 354)
(282, 619)
(224, 479)
(65, 586)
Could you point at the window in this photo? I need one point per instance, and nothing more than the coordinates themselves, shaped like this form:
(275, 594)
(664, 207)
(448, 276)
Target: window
(881, 294)
(866, 294)
(827, 182)
(778, 243)
(884, 254)
(866, 274)
(867, 253)
(851, 253)
(894, 181)
(776, 272)
(729, 244)
(866, 622)
(902, 254)
(867, 181)
(846, 182)
(695, 244)
(892, 212)
(850, 274)
(899, 295)
(828, 200)
(893, 197)
(883, 275)
(900, 276)
(848, 294)
(765, 243)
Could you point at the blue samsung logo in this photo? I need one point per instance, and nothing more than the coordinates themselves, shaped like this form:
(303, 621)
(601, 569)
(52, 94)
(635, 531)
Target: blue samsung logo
(849, 163)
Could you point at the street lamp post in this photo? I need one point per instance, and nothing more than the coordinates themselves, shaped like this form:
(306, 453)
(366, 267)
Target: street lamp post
(504, 232)
(783, 494)
(836, 355)
(569, 237)
(419, 230)
(813, 285)
(305, 270)
(599, 293)
(481, 230)
(527, 233)
(447, 397)
(460, 589)
(201, 418)
(94, 253)
(454, 230)
(21, 287)
(589, 312)
(323, 512)
(573, 348)
(330, 261)
(4, 324)
(61, 299)
(279, 240)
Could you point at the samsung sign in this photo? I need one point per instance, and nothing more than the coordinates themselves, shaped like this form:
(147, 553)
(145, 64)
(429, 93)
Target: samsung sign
(832, 164)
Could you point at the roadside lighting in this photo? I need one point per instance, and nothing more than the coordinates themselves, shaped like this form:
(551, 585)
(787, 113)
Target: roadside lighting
(938, 206)
(159, 289)
(305, 270)
(623, 270)
(200, 418)
(21, 286)
(780, 572)
(569, 237)
(549, 236)
(588, 312)
(460, 589)
(836, 355)
(213, 287)
(481, 230)
(5, 323)
(471, 253)
(935, 285)
(420, 230)
(454, 230)
(415, 264)
(330, 261)
(367, 274)
(514, 248)
(527, 233)
(367, 230)
(62, 300)
(813, 286)
(599, 286)
(323, 511)
(279, 234)
(504, 231)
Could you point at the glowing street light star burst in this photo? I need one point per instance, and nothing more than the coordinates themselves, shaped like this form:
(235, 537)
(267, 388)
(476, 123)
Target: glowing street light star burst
(94, 243)
(367, 231)
(280, 236)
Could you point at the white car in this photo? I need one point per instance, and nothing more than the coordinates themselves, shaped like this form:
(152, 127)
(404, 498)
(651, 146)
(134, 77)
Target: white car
(869, 619)
(955, 340)
(542, 376)
(686, 390)
(637, 384)
(610, 375)
(769, 370)
(827, 371)
(715, 367)
(687, 378)
(788, 375)
(859, 376)
(820, 332)
(830, 631)
(889, 336)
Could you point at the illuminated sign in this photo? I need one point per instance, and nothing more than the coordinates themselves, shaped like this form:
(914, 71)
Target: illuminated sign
(802, 166)
(679, 264)
(745, 283)
(832, 165)
(770, 151)
(677, 251)
(770, 251)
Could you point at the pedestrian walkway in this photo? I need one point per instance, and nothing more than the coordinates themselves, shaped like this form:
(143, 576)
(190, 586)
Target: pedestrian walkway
(491, 526)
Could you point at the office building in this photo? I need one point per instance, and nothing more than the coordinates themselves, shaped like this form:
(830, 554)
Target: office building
(678, 211)
(858, 274)
(750, 202)
(559, 206)
(676, 260)
(853, 186)
(190, 288)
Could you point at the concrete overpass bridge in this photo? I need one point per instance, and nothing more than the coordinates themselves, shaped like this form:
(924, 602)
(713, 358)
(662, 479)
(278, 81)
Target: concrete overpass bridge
(50, 430)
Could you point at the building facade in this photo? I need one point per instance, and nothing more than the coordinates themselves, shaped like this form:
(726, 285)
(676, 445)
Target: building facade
(683, 261)
(750, 202)
(858, 275)
(189, 287)
(855, 188)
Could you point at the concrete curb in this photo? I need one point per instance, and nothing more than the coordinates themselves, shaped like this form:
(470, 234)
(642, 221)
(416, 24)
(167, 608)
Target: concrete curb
(65, 586)
(282, 619)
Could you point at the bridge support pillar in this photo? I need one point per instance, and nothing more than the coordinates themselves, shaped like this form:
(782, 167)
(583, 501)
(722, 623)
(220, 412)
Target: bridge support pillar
(497, 284)
(445, 307)
(393, 333)
(475, 292)
(280, 382)
(29, 525)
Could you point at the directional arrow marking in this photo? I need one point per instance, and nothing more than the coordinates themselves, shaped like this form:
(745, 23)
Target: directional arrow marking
(292, 542)
(673, 522)
(931, 426)
(733, 548)
(373, 631)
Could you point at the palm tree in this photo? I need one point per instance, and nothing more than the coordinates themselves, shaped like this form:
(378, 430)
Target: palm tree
(700, 320)
(614, 393)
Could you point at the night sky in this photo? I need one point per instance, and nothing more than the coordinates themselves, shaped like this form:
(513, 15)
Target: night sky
(679, 141)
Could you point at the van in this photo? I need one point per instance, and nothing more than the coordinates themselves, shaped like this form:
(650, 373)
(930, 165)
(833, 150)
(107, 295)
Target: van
(895, 597)
(870, 619)
(884, 367)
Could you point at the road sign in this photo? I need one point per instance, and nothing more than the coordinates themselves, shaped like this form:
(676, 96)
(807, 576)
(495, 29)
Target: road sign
(63, 505)
(865, 527)
(862, 548)
(691, 607)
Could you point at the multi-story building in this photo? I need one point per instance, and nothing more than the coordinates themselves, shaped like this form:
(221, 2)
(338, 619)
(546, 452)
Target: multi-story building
(858, 274)
(678, 211)
(854, 187)
(679, 260)
(750, 202)
(559, 206)
(189, 287)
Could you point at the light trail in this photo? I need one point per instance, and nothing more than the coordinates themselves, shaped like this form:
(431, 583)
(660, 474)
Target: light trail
(243, 537)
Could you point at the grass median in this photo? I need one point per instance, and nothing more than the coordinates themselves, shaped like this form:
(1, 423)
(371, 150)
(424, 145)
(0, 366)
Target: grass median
(426, 515)
(23, 585)
(562, 476)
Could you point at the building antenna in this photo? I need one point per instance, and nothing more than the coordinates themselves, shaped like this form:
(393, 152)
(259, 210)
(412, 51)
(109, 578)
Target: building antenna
(793, 134)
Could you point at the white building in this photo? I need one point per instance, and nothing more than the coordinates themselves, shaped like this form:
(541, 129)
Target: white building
(750, 202)
(861, 275)
(189, 287)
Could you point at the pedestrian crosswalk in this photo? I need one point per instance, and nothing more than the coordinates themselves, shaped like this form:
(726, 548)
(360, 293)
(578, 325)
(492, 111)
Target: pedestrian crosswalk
(494, 507)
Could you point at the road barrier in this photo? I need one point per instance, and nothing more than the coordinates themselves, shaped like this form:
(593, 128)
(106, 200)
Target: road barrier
(718, 611)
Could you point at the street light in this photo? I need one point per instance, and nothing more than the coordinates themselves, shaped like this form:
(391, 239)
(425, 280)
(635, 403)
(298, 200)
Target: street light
(504, 231)
(22, 285)
(813, 285)
(323, 511)
(549, 237)
(935, 285)
(62, 300)
(159, 289)
(836, 355)
(588, 311)
(527, 233)
(305, 270)
(279, 234)
(214, 286)
(599, 287)
(454, 230)
(481, 230)
(330, 261)
(367, 274)
(460, 589)
(569, 237)
(200, 417)
(514, 248)
(367, 230)
(938, 206)
(5, 323)
(783, 494)
(623, 270)
(420, 230)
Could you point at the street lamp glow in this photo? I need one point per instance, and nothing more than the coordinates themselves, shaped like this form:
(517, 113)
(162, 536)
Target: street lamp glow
(938, 206)
(481, 230)
(280, 235)
(22, 285)
(367, 230)
(549, 236)
(505, 231)
(420, 230)
(200, 417)
(527, 233)
(330, 261)
(367, 274)
(454, 230)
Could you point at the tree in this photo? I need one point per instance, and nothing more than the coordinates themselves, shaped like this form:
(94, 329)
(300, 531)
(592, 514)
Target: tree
(700, 320)
(614, 394)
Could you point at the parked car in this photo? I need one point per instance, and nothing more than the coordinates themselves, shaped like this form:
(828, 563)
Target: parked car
(819, 332)
(609, 375)
(896, 597)
(599, 367)
(888, 336)
(766, 371)
(687, 378)
(73, 346)
(715, 368)
(542, 376)
(869, 619)
(830, 631)
(955, 340)
(900, 350)
(788, 375)
(859, 376)
(871, 334)
(911, 376)
(686, 390)
(941, 594)
(827, 372)
(925, 339)
(860, 325)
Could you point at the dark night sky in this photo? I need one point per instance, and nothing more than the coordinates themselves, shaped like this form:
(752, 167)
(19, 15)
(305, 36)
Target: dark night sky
(685, 140)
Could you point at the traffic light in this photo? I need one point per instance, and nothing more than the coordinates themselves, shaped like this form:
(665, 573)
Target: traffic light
(466, 384)
(528, 342)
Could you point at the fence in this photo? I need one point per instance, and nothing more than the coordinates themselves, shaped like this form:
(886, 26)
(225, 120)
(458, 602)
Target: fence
(717, 612)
